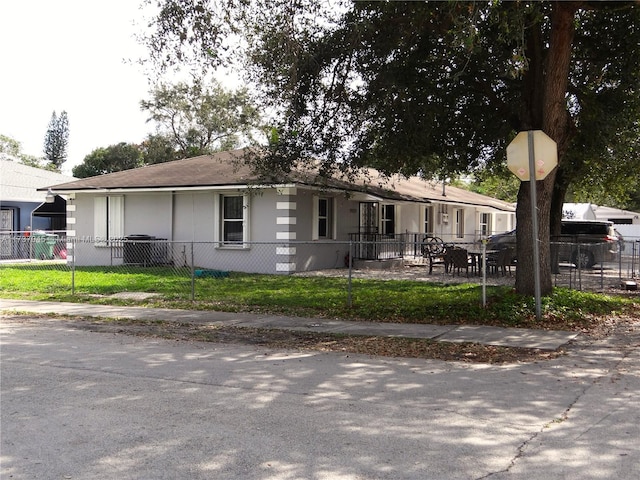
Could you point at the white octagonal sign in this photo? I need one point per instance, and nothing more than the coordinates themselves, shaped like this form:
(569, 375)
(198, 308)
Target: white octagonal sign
(545, 156)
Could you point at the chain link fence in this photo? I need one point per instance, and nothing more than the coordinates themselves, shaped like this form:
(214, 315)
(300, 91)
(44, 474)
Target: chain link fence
(194, 270)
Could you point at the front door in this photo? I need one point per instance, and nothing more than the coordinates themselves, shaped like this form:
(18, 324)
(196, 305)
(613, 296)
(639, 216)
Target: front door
(368, 217)
(368, 230)
(6, 227)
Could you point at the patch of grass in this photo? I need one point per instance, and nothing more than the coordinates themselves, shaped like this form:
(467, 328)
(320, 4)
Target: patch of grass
(399, 301)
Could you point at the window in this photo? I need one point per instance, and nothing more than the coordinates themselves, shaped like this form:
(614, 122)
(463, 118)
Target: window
(485, 224)
(388, 219)
(428, 220)
(459, 223)
(108, 219)
(324, 218)
(232, 215)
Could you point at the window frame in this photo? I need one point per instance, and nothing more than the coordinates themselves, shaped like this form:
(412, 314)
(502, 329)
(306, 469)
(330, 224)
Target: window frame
(459, 212)
(328, 218)
(388, 223)
(429, 220)
(485, 223)
(243, 220)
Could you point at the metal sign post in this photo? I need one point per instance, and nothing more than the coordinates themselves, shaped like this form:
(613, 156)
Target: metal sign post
(530, 162)
(534, 222)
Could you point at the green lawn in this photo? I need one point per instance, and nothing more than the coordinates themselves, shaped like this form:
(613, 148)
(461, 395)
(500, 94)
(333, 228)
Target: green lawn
(375, 300)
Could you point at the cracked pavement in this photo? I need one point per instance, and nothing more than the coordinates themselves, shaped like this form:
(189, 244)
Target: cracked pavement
(80, 404)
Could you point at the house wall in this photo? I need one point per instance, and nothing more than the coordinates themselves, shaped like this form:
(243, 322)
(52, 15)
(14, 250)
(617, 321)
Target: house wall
(295, 218)
(280, 230)
(148, 214)
(21, 216)
(503, 222)
(193, 217)
(80, 218)
(183, 217)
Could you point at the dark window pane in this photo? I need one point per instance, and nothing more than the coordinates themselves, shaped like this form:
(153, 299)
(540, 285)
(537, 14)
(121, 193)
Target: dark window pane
(389, 212)
(232, 232)
(322, 207)
(232, 208)
(322, 227)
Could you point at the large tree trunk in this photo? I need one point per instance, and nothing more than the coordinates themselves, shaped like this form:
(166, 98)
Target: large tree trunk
(549, 75)
(525, 272)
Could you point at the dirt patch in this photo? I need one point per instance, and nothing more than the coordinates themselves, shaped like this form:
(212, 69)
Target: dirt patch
(299, 341)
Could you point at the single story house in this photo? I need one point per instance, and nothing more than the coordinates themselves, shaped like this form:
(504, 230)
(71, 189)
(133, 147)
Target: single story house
(308, 221)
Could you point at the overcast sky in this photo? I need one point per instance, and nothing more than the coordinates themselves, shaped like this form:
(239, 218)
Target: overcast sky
(71, 55)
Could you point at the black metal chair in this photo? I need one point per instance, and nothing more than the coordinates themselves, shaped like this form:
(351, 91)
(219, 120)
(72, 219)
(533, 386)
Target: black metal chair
(436, 259)
(459, 259)
(501, 261)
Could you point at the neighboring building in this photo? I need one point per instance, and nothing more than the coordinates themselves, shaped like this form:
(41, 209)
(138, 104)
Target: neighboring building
(626, 223)
(217, 199)
(23, 207)
(616, 215)
(589, 211)
(578, 211)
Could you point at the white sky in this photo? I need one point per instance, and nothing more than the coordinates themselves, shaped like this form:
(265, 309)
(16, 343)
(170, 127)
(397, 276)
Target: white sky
(71, 55)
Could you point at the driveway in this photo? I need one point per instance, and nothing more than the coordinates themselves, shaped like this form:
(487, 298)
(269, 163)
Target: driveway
(79, 405)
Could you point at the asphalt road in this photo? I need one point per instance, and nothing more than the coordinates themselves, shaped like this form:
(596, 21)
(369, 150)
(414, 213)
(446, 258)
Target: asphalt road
(83, 405)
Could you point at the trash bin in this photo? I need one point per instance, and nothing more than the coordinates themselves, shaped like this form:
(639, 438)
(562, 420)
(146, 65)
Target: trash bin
(137, 250)
(43, 244)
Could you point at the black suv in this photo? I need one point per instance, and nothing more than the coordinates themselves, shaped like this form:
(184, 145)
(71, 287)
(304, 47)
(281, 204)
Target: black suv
(581, 242)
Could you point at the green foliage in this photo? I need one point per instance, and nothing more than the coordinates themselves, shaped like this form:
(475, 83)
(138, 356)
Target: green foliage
(497, 183)
(432, 88)
(385, 301)
(56, 140)
(114, 158)
(158, 149)
(201, 117)
(436, 88)
(11, 149)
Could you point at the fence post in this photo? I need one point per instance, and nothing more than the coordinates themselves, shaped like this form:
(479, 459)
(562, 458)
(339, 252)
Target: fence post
(73, 264)
(620, 262)
(349, 297)
(483, 266)
(193, 276)
(603, 249)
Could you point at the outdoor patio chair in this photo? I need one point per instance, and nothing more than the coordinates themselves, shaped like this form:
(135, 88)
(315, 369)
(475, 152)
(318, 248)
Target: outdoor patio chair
(439, 258)
(500, 262)
(459, 259)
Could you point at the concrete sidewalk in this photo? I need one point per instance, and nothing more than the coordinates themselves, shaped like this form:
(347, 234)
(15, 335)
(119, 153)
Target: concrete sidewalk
(506, 337)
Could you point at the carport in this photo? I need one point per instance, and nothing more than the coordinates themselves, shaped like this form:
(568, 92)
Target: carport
(56, 211)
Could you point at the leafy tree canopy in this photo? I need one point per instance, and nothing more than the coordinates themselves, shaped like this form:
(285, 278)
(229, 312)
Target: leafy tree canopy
(201, 117)
(56, 140)
(157, 148)
(114, 158)
(11, 149)
(433, 88)
(420, 87)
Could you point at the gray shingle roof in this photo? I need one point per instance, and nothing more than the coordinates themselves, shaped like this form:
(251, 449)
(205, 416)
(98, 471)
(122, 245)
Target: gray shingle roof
(20, 182)
(228, 169)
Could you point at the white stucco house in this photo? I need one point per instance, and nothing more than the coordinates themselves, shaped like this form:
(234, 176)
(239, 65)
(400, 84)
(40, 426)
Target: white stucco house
(309, 222)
